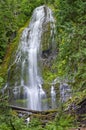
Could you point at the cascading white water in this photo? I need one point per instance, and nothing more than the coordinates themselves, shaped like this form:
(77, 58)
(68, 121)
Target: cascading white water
(65, 92)
(53, 97)
(28, 56)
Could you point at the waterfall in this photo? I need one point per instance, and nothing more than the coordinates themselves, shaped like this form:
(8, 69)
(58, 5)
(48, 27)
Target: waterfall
(27, 79)
(65, 92)
(53, 97)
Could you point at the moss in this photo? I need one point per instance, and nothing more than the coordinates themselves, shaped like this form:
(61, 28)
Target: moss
(46, 100)
(48, 71)
(21, 101)
(49, 75)
(46, 36)
(13, 113)
(11, 49)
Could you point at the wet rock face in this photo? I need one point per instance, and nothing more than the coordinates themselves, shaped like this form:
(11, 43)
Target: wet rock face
(82, 107)
(46, 53)
(36, 46)
(45, 42)
(81, 112)
(48, 41)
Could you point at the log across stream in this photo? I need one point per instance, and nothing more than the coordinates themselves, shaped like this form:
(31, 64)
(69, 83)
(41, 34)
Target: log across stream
(32, 111)
(44, 116)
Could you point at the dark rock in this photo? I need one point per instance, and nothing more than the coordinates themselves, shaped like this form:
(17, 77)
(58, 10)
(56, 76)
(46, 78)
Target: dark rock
(46, 53)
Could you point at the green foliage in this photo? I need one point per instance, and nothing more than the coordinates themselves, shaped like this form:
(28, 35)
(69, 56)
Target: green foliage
(62, 122)
(13, 122)
(1, 80)
(71, 40)
(71, 59)
(13, 15)
(35, 124)
(9, 120)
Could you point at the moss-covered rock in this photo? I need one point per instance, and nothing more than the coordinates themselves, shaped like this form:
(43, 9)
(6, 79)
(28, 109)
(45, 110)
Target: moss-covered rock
(10, 54)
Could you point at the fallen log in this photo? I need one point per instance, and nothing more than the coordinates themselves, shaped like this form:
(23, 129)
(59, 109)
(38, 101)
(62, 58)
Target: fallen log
(23, 109)
(31, 111)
